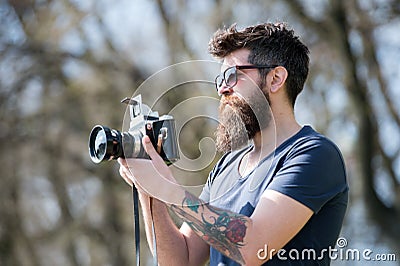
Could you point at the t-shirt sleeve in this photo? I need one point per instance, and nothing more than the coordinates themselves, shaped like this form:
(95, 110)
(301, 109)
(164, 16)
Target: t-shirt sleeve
(312, 173)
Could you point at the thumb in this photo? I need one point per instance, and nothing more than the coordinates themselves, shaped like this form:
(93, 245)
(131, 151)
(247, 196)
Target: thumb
(149, 148)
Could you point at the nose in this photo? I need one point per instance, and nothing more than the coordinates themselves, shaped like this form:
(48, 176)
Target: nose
(224, 90)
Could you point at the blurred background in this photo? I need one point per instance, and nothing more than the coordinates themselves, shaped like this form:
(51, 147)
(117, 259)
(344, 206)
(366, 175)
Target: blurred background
(66, 64)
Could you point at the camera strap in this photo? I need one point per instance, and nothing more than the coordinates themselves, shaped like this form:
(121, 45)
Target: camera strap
(137, 227)
(136, 223)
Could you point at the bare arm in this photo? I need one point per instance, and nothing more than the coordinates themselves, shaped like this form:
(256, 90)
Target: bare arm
(174, 246)
(276, 220)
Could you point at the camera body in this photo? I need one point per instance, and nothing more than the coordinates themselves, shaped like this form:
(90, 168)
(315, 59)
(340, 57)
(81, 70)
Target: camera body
(107, 144)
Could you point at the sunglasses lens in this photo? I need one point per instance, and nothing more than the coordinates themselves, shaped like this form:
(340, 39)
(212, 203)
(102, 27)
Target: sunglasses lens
(230, 77)
(218, 81)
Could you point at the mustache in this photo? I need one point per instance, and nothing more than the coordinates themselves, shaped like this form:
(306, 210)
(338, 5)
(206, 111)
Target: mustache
(232, 101)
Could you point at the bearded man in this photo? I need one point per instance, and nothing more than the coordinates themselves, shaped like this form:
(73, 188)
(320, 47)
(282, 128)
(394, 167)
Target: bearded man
(279, 193)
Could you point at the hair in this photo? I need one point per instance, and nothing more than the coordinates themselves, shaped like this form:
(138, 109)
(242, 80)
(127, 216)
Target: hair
(269, 44)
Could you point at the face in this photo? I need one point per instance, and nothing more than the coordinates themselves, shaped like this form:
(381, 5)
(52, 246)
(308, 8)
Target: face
(244, 108)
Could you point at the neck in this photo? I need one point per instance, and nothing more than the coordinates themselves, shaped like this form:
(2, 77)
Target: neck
(282, 126)
(280, 129)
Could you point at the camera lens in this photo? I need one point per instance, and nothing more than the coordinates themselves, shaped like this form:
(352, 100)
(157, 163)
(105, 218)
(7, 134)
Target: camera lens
(100, 144)
(105, 144)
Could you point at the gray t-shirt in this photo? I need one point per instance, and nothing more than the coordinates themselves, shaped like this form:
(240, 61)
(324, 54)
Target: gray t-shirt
(307, 167)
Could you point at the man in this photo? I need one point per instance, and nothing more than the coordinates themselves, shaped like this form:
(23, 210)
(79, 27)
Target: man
(280, 200)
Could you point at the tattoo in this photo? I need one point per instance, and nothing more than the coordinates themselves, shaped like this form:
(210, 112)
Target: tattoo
(224, 230)
(191, 201)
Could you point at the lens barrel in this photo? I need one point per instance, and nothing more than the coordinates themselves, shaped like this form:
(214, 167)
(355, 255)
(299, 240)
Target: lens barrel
(105, 144)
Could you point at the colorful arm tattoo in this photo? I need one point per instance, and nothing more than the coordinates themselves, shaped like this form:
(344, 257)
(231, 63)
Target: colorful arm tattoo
(222, 229)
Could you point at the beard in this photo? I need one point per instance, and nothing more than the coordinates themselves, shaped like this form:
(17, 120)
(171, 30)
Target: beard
(239, 121)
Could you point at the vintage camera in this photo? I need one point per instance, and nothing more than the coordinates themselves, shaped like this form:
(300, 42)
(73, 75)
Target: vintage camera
(106, 144)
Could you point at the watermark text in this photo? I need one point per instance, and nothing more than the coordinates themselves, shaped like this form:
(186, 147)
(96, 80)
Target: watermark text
(339, 253)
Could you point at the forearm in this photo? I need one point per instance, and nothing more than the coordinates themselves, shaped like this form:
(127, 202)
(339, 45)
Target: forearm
(222, 229)
(171, 244)
(147, 218)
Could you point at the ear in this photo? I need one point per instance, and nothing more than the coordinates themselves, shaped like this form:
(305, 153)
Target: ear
(278, 78)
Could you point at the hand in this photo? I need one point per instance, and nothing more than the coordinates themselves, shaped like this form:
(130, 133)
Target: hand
(152, 177)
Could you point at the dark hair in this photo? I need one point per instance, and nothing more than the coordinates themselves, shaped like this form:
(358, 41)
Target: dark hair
(269, 44)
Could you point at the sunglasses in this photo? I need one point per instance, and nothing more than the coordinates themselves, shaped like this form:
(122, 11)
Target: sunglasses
(229, 76)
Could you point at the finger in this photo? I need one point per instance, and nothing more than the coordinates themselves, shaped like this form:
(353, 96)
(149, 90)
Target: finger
(125, 176)
(122, 162)
(148, 146)
(125, 166)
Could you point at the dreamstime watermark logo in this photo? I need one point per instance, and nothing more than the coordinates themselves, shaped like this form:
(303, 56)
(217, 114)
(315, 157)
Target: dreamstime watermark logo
(342, 252)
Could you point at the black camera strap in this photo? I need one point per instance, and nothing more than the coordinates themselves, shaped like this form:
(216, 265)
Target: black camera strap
(137, 227)
(136, 223)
